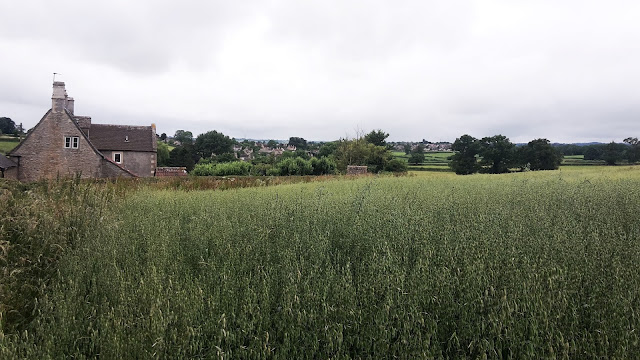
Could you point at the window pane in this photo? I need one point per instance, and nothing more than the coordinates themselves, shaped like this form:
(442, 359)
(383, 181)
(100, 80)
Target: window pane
(67, 141)
(75, 142)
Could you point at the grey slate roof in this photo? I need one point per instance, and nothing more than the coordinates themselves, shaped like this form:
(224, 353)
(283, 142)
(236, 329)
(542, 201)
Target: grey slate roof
(122, 137)
(5, 163)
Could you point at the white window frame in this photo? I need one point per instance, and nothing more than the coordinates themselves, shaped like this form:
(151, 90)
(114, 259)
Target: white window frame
(113, 157)
(71, 142)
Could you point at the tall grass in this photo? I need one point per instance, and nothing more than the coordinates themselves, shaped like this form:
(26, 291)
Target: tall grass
(527, 265)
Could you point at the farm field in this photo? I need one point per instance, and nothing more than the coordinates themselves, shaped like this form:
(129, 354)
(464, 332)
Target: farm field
(523, 265)
(7, 143)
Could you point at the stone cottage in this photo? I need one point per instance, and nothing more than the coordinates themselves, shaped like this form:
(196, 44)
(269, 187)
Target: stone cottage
(63, 144)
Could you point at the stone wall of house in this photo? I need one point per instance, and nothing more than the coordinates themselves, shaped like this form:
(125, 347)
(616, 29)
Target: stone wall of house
(43, 155)
(111, 170)
(138, 162)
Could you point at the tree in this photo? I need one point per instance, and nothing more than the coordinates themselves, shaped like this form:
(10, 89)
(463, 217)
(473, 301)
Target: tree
(407, 149)
(632, 154)
(497, 154)
(298, 142)
(184, 137)
(213, 143)
(396, 166)
(272, 144)
(593, 152)
(377, 137)
(163, 137)
(539, 154)
(417, 155)
(328, 149)
(464, 162)
(163, 154)
(613, 153)
(359, 152)
(182, 156)
(7, 126)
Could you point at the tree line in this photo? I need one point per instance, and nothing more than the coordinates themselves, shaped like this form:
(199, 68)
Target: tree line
(496, 155)
(212, 153)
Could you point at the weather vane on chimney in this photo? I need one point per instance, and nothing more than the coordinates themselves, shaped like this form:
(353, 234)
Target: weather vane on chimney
(54, 76)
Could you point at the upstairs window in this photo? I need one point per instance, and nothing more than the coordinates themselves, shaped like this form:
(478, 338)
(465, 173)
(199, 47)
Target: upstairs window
(71, 142)
(117, 157)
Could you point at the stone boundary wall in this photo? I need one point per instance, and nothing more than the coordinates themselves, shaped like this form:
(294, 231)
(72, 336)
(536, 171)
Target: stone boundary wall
(171, 171)
(356, 170)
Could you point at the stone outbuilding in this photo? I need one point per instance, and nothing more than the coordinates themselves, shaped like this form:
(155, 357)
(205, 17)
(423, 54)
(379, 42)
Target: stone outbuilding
(63, 144)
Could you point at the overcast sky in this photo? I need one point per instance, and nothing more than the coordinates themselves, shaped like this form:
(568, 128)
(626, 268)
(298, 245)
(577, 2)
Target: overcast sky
(269, 69)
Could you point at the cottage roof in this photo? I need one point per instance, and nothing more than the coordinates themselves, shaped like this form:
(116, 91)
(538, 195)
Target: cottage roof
(5, 163)
(122, 137)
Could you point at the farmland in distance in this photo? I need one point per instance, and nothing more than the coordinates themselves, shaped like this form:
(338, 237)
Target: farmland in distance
(524, 265)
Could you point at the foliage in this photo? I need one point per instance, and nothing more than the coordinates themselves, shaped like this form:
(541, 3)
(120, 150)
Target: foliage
(613, 153)
(184, 137)
(272, 144)
(294, 166)
(7, 126)
(376, 137)
(163, 137)
(528, 265)
(163, 154)
(417, 155)
(223, 169)
(539, 155)
(396, 166)
(407, 149)
(632, 153)
(323, 166)
(497, 154)
(298, 142)
(328, 149)
(182, 156)
(213, 143)
(359, 152)
(464, 162)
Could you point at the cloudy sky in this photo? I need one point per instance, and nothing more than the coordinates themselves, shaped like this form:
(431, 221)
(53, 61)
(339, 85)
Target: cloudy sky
(565, 70)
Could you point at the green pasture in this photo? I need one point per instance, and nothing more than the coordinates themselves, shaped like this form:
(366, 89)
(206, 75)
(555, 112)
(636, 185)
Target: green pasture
(7, 143)
(434, 265)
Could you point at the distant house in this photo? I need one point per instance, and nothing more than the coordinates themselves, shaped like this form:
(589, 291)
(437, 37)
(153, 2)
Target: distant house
(64, 144)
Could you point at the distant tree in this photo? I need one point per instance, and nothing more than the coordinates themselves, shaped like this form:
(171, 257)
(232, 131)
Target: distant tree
(298, 142)
(328, 149)
(376, 137)
(613, 153)
(407, 149)
(497, 154)
(539, 154)
(163, 154)
(163, 137)
(272, 144)
(359, 152)
(224, 158)
(593, 152)
(417, 155)
(632, 154)
(213, 143)
(184, 137)
(182, 156)
(396, 166)
(7, 126)
(464, 162)
(323, 166)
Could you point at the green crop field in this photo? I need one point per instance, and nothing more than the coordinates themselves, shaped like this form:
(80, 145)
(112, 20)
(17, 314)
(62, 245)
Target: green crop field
(7, 144)
(523, 265)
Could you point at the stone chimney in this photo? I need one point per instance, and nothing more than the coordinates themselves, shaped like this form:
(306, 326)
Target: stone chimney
(59, 97)
(70, 104)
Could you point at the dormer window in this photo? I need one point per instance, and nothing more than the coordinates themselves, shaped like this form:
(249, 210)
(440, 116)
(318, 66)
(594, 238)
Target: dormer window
(126, 138)
(71, 142)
